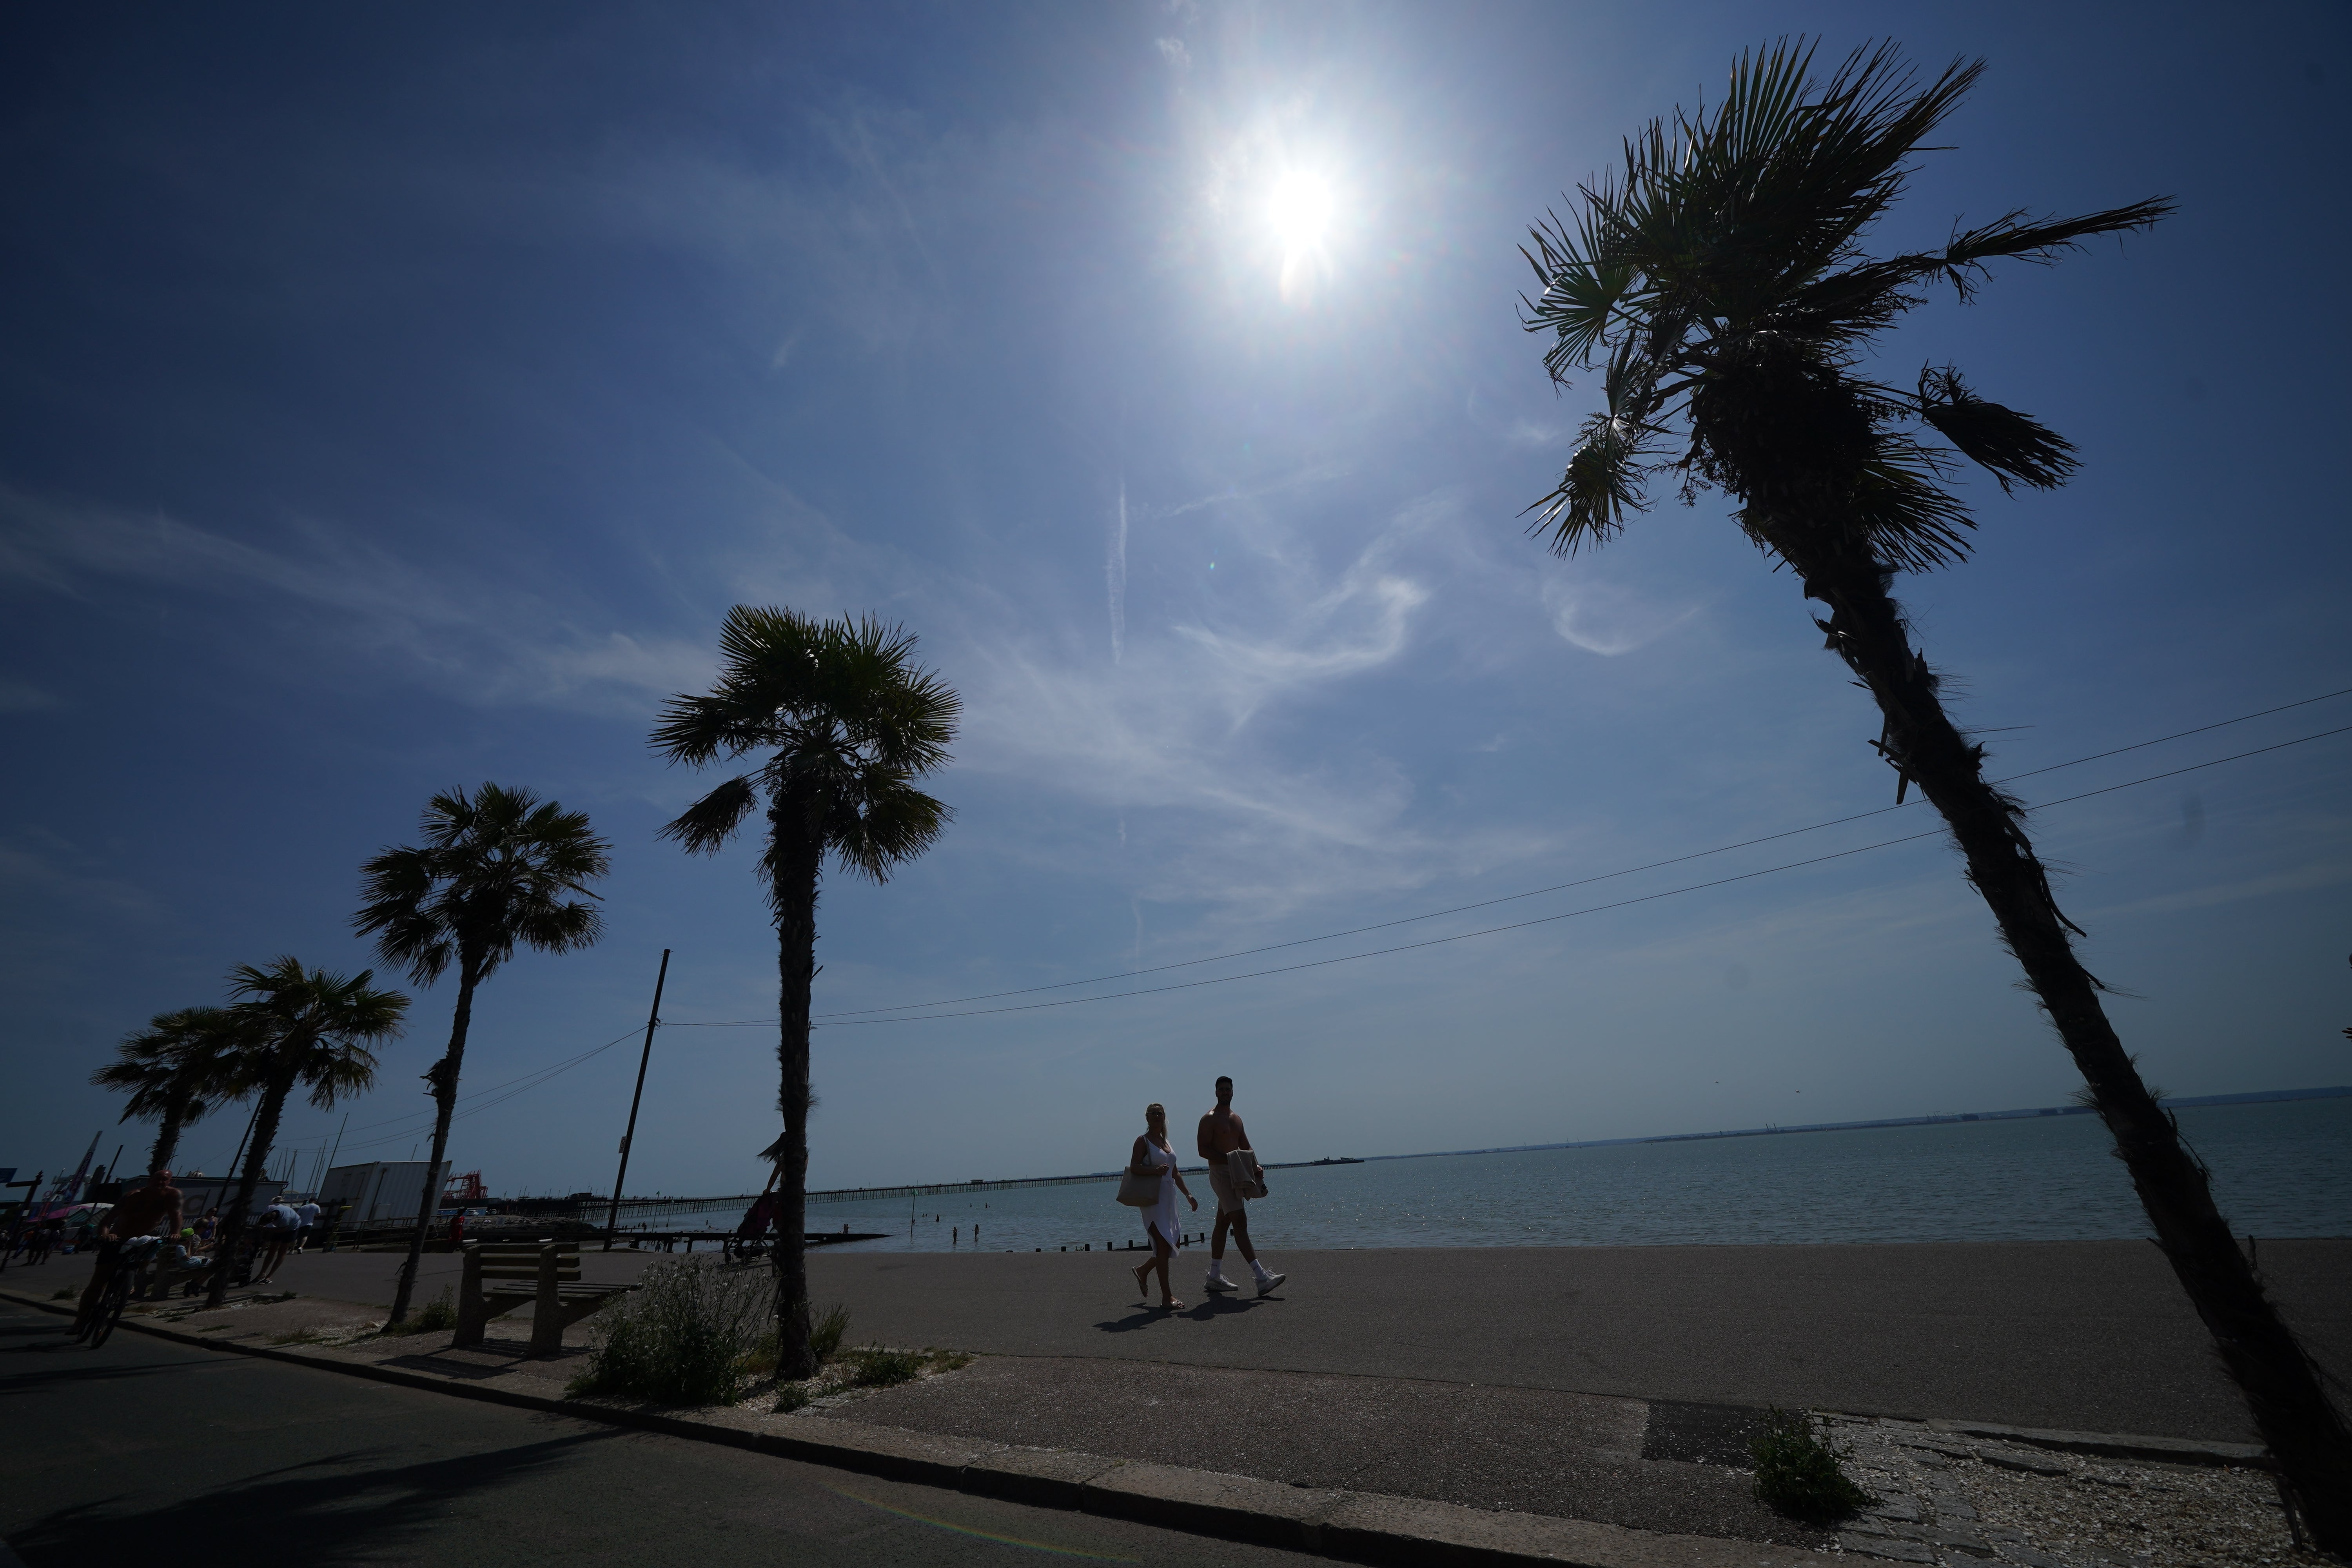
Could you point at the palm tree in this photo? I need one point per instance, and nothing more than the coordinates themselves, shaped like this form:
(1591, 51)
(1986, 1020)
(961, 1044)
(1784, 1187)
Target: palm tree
(850, 722)
(309, 1028)
(1719, 281)
(180, 1068)
(496, 869)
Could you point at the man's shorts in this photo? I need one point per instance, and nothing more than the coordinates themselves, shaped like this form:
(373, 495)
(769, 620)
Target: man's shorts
(1229, 1197)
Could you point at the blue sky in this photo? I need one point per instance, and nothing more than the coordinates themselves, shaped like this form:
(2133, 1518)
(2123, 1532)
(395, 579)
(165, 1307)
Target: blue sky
(386, 407)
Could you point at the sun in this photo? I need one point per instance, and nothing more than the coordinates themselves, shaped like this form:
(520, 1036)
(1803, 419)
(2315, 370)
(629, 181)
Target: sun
(1299, 208)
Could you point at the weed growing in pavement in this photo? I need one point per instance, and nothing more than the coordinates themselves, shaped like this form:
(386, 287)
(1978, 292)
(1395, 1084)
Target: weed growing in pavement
(439, 1314)
(61, 1295)
(1801, 1474)
(681, 1338)
(874, 1367)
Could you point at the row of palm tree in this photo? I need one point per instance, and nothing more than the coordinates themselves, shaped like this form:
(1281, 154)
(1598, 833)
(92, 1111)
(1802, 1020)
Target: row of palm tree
(284, 1027)
(497, 869)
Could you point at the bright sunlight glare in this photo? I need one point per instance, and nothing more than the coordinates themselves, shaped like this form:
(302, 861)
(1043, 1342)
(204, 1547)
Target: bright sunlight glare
(1300, 209)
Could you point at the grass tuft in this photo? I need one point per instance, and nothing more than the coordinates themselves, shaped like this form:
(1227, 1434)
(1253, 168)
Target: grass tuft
(61, 1295)
(826, 1331)
(1800, 1473)
(681, 1339)
(439, 1314)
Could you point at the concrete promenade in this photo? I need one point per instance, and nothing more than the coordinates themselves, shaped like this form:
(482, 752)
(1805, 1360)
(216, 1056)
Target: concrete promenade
(2091, 1336)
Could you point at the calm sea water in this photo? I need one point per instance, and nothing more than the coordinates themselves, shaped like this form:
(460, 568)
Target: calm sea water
(2280, 1169)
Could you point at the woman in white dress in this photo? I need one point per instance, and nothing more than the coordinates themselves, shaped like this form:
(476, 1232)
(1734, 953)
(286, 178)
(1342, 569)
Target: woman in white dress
(1160, 1219)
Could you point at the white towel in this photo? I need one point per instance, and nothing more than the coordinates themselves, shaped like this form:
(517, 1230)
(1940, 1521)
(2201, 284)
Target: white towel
(1246, 1174)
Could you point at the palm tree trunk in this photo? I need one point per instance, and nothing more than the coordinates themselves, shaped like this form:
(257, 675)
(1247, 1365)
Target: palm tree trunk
(167, 1136)
(444, 1098)
(797, 858)
(2282, 1386)
(256, 1158)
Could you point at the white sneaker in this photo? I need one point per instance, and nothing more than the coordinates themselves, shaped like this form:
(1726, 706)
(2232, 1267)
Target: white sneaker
(1218, 1282)
(1266, 1283)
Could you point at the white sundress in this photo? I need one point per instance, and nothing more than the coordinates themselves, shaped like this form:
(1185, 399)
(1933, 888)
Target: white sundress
(1163, 1213)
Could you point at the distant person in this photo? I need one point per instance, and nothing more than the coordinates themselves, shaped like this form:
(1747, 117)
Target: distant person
(275, 1238)
(1152, 1148)
(206, 1228)
(308, 1213)
(1222, 1138)
(143, 1211)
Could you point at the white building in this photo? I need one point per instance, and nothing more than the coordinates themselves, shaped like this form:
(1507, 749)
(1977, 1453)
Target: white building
(382, 1192)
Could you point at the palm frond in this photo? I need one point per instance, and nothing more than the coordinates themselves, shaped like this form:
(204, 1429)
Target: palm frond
(1720, 272)
(2040, 242)
(1902, 510)
(1602, 483)
(397, 907)
(704, 827)
(897, 825)
(493, 865)
(2017, 448)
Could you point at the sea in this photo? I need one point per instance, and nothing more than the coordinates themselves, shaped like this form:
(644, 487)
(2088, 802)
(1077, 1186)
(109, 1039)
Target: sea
(2281, 1168)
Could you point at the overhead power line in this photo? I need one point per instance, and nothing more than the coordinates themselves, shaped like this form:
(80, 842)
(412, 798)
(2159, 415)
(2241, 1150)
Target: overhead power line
(1532, 893)
(840, 1021)
(514, 1086)
(497, 1094)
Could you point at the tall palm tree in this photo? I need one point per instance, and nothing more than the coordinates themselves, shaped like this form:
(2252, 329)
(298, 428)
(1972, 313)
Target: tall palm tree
(183, 1067)
(309, 1029)
(1718, 281)
(849, 722)
(498, 869)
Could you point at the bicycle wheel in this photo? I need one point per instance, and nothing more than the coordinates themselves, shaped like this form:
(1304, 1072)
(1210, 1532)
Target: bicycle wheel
(110, 1306)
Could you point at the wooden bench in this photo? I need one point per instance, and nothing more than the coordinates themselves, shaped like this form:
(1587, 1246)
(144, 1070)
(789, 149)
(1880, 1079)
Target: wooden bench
(500, 1276)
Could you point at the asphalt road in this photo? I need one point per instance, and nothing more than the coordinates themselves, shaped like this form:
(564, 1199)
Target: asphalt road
(150, 1452)
(2091, 1336)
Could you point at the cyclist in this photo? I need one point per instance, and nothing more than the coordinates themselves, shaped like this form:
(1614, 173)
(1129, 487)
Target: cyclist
(142, 1211)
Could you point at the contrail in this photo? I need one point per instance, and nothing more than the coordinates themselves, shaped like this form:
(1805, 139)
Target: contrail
(1115, 572)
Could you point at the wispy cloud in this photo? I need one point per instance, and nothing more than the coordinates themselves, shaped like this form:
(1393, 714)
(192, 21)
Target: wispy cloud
(1608, 618)
(1219, 803)
(451, 629)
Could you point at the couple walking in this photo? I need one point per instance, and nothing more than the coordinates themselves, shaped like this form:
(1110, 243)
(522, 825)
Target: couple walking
(1233, 1174)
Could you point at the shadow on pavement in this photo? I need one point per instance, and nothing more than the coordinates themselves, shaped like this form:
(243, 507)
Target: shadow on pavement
(24, 1377)
(304, 1516)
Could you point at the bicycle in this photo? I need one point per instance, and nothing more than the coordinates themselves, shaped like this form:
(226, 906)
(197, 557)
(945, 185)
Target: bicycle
(96, 1322)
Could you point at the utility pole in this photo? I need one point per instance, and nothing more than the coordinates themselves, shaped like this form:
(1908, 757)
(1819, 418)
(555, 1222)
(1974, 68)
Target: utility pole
(653, 1021)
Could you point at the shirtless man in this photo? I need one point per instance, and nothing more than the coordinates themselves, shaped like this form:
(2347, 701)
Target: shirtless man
(140, 1213)
(1220, 1134)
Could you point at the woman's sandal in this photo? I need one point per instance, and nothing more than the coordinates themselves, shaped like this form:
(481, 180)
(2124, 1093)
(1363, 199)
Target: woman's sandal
(1171, 1306)
(1141, 1289)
